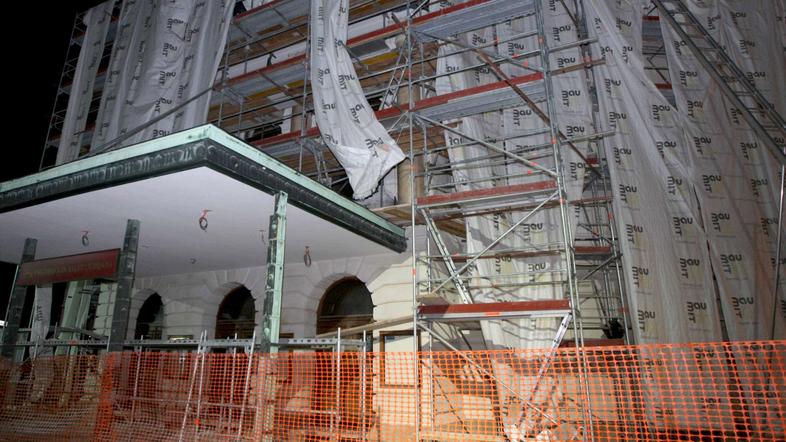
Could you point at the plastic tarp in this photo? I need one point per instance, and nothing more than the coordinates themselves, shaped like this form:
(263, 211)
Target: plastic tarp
(736, 179)
(165, 55)
(42, 306)
(346, 121)
(96, 21)
(672, 303)
(665, 261)
(734, 175)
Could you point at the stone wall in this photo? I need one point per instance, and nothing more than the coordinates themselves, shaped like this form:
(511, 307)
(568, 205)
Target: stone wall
(191, 300)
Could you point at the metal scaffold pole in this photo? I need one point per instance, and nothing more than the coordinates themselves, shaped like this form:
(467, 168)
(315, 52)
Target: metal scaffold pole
(413, 208)
(304, 96)
(567, 235)
(778, 252)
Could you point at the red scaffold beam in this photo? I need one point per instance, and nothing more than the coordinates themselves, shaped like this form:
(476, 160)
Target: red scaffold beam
(495, 310)
(499, 191)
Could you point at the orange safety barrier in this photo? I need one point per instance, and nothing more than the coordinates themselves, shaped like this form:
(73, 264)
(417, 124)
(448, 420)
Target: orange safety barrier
(680, 392)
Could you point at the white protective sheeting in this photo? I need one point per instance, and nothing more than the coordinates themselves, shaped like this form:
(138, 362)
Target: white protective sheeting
(42, 307)
(346, 121)
(664, 254)
(164, 54)
(96, 21)
(734, 175)
(737, 181)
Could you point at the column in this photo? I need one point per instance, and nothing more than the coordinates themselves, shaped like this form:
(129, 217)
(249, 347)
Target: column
(271, 319)
(16, 302)
(125, 281)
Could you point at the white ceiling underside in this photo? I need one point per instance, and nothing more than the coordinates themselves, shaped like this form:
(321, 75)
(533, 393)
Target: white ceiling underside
(170, 240)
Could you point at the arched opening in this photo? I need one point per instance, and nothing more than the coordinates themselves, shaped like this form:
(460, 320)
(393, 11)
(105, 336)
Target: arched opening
(150, 321)
(235, 315)
(347, 303)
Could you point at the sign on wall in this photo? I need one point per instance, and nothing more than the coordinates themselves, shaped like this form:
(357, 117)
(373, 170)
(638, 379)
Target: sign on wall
(93, 265)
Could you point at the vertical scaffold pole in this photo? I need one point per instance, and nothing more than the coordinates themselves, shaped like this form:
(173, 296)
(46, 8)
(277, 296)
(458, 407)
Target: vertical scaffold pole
(778, 255)
(413, 208)
(303, 110)
(567, 235)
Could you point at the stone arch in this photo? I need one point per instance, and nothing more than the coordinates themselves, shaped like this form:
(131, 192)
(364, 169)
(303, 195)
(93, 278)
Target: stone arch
(236, 314)
(221, 282)
(137, 301)
(305, 287)
(346, 303)
(149, 322)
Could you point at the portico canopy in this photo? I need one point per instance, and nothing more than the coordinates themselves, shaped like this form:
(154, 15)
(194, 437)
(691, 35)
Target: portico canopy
(168, 184)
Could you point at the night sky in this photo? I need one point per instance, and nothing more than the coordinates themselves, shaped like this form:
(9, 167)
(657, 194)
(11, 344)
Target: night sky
(35, 43)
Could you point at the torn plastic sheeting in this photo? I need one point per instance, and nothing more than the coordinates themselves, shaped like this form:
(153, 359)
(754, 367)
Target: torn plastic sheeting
(348, 125)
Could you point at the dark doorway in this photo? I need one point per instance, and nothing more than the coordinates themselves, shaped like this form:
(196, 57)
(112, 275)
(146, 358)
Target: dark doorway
(236, 315)
(150, 322)
(347, 303)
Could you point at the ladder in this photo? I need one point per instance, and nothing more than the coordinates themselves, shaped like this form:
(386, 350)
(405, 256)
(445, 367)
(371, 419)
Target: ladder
(453, 272)
(759, 113)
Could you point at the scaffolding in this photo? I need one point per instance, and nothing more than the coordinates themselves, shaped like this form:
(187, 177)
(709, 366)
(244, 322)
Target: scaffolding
(65, 85)
(499, 198)
(263, 96)
(400, 83)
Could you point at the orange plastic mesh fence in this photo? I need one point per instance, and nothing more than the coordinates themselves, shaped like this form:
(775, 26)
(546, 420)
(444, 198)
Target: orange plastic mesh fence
(707, 391)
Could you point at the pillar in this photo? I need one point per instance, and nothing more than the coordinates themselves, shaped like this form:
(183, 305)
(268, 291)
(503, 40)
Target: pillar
(271, 312)
(17, 302)
(125, 281)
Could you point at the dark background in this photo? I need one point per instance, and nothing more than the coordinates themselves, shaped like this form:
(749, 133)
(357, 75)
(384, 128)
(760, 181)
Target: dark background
(35, 39)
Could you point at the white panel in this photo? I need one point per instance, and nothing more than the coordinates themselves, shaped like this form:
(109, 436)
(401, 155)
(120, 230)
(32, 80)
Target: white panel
(42, 306)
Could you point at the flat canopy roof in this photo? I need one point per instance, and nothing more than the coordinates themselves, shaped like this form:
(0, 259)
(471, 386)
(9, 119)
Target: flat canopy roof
(166, 184)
